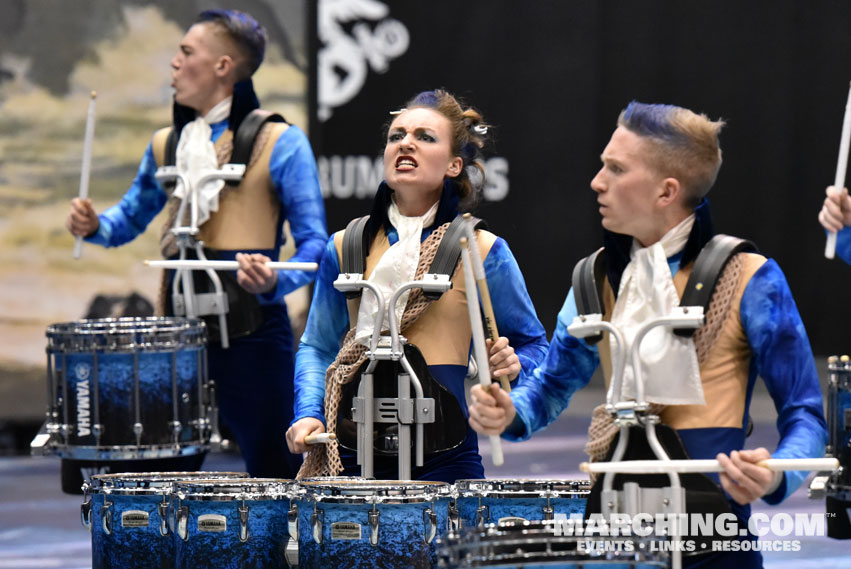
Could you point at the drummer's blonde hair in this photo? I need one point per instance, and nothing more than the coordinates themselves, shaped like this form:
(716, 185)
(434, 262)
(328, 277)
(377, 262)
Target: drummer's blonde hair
(684, 145)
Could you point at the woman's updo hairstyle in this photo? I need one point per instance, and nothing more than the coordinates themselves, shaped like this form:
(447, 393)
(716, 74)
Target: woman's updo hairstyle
(468, 140)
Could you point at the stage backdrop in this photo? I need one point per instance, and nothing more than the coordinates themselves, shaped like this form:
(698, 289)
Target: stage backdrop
(552, 76)
(52, 55)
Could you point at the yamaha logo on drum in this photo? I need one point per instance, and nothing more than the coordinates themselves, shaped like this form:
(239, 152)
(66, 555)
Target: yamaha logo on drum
(83, 371)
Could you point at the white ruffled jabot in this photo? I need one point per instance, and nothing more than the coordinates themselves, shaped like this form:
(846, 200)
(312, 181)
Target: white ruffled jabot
(670, 370)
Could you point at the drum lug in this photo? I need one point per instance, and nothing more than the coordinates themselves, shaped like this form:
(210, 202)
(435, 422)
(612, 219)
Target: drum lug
(292, 521)
(86, 509)
(373, 518)
(182, 521)
(291, 552)
(316, 524)
(482, 514)
(430, 521)
(547, 512)
(162, 509)
(243, 522)
(106, 517)
(453, 516)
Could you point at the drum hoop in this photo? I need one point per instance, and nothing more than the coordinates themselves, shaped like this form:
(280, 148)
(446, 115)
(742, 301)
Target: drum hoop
(149, 483)
(523, 488)
(127, 334)
(375, 491)
(233, 489)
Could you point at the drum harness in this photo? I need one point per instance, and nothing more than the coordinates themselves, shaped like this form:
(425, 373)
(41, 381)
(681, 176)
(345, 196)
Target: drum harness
(226, 294)
(638, 415)
(401, 410)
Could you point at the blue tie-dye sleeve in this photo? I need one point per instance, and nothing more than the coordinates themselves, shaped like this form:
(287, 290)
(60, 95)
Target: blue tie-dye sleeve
(327, 323)
(124, 221)
(540, 397)
(292, 169)
(515, 315)
(783, 358)
(843, 245)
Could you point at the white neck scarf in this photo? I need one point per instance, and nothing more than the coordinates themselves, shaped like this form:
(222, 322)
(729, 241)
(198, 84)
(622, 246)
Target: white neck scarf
(196, 155)
(398, 265)
(669, 367)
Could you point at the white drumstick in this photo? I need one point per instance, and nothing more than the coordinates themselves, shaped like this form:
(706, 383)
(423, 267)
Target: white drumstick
(88, 142)
(479, 347)
(841, 166)
(320, 438)
(711, 465)
(229, 265)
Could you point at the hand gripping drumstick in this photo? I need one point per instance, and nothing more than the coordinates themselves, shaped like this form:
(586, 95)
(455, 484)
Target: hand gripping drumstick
(320, 438)
(479, 348)
(841, 166)
(484, 293)
(88, 141)
(711, 465)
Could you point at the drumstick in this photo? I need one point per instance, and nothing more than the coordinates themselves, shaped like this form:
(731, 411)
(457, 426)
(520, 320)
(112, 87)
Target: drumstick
(88, 142)
(711, 465)
(228, 265)
(320, 438)
(841, 166)
(479, 347)
(484, 293)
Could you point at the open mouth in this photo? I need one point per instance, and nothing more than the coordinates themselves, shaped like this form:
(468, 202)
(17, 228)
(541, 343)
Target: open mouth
(405, 162)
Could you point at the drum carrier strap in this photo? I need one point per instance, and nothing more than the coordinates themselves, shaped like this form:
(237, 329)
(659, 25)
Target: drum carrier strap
(243, 140)
(589, 276)
(356, 248)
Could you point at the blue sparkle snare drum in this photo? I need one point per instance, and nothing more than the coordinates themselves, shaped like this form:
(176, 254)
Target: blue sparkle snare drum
(369, 523)
(538, 545)
(491, 501)
(126, 388)
(127, 515)
(232, 524)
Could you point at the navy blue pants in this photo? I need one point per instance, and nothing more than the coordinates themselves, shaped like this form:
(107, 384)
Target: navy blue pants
(254, 387)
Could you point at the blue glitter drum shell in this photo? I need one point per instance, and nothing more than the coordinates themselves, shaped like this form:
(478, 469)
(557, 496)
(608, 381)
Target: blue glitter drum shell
(409, 514)
(238, 524)
(128, 518)
(491, 501)
(94, 367)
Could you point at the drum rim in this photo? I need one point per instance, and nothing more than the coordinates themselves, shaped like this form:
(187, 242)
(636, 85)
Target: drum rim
(160, 481)
(272, 488)
(126, 333)
(368, 491)
(527, 488)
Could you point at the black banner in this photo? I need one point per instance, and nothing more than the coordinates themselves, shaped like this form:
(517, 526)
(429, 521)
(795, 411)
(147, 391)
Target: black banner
(553, 76)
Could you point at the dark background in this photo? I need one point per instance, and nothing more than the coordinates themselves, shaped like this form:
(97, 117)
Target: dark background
(552, 77)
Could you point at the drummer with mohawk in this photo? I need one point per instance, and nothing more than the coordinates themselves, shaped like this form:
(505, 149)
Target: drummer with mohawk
(651, 190)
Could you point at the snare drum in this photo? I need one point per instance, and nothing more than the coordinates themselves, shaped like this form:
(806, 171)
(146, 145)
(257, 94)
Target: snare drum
(369, 523)
(126, 389)
(479, 502)
(127, 515)
(231, 524)
(537, 545)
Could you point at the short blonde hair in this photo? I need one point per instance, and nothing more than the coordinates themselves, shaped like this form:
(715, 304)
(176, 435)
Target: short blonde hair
(684, 144)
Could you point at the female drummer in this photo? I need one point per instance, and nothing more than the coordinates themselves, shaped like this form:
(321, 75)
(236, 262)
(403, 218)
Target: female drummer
(431, 175)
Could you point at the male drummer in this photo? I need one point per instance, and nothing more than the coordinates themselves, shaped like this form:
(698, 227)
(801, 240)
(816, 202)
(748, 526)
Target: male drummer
(211, 76)
(657, 169)
(835, 215)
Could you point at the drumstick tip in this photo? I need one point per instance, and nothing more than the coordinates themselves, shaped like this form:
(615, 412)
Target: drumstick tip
(467, 215)
(94, 94)
(584, 467)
